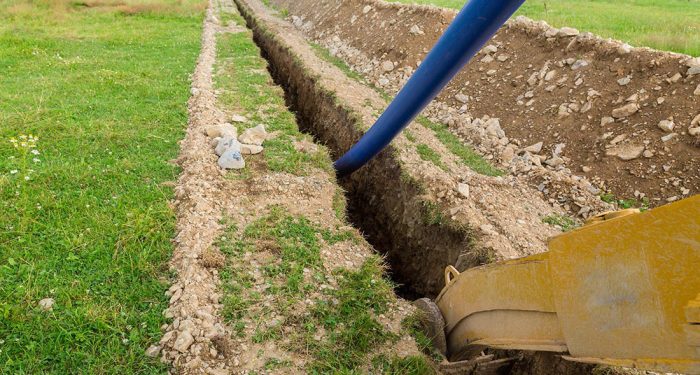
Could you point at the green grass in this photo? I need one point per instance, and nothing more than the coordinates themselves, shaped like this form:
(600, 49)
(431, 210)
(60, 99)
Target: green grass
(248, 89)
(564, 222)
(670, 25)
(105, 91)
(428, 154)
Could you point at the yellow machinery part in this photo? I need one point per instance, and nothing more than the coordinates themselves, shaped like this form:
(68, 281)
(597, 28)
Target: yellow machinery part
(624, 290)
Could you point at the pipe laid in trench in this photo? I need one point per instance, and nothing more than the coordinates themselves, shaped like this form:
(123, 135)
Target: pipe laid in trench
(475, 24)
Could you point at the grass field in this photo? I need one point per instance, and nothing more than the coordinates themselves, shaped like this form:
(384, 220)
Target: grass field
(672, 25)
(84, 215)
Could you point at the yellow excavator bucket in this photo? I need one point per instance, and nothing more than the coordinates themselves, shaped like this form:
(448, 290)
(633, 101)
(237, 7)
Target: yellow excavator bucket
(623, 290)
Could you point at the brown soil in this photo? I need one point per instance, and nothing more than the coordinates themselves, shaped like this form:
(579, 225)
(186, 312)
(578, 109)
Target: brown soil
(529, 113)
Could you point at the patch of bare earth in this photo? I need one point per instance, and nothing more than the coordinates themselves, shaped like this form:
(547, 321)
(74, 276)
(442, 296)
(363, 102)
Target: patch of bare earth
(579, 115)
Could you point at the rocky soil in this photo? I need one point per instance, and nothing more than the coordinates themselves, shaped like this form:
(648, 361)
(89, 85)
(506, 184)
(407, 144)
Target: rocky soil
(577, 115)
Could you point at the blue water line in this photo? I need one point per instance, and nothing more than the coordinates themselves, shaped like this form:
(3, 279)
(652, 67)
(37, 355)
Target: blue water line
(475, 24)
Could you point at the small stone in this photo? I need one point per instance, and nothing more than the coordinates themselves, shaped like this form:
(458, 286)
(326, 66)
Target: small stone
(554, 161)
(586, 169)
(366, 9)
(550, 75)
(668, 137)
(579, 64)
(660, 100)
(251, 149)
(606, 120)
(697, 91)
(153, 351)
(221, 130)
(239, 118)
(648, 154)
(491, 72)
(692, 63)
(551, 33)
(695, 120)
(183, 342)
(674, 78)
(625, 111)
(489, 49)
(618, 139)
(254, 136)
(416, 30)
(624, 81)
(624, 49)
(694, 131)
(626, 152)
(487, 59)
(463, 190)
(666, 125)
(567, 31)
(224, 144)
(534, 149)
(502, 58)
(462, 98)
(46, 304)
(232, 158)
(693, 71)
(387, 66)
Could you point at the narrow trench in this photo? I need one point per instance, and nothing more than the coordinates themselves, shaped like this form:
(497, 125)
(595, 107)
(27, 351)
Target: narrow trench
(388, 209)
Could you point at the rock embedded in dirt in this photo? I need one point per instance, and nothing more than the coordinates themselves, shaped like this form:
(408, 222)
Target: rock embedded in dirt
(626, 152)
(251, 149)
(254, 136)
(579, 64)
(666, 125)
(366, 9)
(183, 342)
(668, 137)
(239, 118)
(534, 149)
(416, 30)
(695, 120)
(567, 31)
(46, 304)
(606, 120)
(387, 66)
(232, 158)
(625, 111)
(489, 49)
(462, 98)
(463, 190)
(624, 81)
(694, 131)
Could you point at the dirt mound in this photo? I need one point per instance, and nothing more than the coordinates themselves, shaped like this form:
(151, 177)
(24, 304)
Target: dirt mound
(623, 118)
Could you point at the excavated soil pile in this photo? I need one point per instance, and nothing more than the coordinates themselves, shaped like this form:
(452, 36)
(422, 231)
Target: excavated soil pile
(626, 119)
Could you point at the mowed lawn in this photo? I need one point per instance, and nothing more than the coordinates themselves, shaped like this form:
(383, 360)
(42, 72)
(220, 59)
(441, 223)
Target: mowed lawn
(672, 25)
(84, 214)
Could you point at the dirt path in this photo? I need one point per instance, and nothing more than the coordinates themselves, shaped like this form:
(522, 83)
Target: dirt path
(197, 334)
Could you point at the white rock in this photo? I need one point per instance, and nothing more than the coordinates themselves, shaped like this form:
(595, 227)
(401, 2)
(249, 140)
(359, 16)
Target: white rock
(624, 81)
(606, 120)
(493, 128)
(551, 33)
(534, 149)
(487, 59)
(221, 130)
(462, 98)
(224, 144)
(625, 111)
(567, 31)
(254, 136)
(697, 91)
(46, 304)
(183, 342)
(489, 49)
(693, 71)
(232, 158)
(626, 152)
(666, 125)
(694, 131)
(502, 58)
(416, 30)
(153, 351)
(550, 75)
(579, 64)
(251, 149)
(463, 190)
(387, 66)
(695, 120)
(491, 72)
(239, 118)
(366, 9)
(674, 78)
(624, 49)
(554, 161)
(694, 62)
(668, 137)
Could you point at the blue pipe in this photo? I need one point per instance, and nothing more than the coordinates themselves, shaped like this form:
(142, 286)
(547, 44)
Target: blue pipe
(471, 29)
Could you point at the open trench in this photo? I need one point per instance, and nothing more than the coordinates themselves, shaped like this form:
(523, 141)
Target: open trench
(382, 203)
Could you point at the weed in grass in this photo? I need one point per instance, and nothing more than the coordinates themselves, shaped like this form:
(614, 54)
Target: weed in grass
(564, 222)
(414, 365)
(642, 204)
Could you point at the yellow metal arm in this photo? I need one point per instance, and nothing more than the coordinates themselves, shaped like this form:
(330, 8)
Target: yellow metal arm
(621, 291)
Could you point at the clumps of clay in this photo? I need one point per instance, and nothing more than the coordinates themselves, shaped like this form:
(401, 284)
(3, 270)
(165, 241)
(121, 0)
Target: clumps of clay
(230, 147)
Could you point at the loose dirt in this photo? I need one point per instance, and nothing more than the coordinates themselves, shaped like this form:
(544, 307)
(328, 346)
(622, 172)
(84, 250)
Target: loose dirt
(558, 87)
